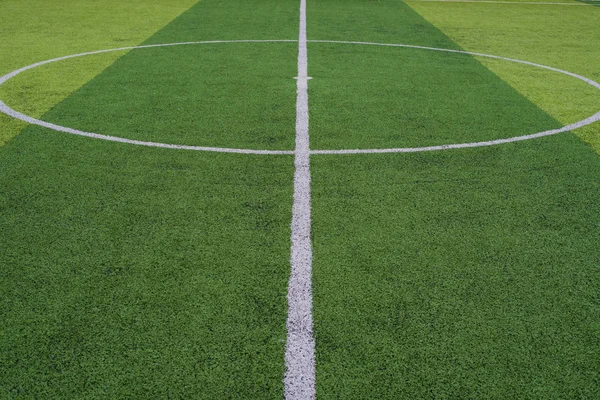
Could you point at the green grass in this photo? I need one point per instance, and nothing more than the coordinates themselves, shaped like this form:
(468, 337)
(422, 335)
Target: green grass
(467, 275)
(460, 274)
(132, 272)
(377, 97)
(211, 95)
(54, 30)
(523, 32)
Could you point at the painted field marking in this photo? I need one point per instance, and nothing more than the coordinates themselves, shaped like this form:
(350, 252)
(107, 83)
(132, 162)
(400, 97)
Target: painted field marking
(570, 127)
(299, 379)
(31, 120)
(15, 114)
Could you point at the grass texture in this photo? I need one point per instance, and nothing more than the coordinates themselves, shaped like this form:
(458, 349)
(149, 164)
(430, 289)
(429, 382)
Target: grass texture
(458, 274)
(564, 37)
(204, 95)
(132, 272)
(33, 31)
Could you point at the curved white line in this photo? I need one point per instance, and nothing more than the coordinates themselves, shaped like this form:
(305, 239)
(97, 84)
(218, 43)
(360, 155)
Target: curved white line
(15, 114)
(570, 127)
(26, 118)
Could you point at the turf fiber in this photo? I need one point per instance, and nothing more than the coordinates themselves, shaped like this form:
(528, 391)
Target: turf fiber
(132, 272)
(459, 274)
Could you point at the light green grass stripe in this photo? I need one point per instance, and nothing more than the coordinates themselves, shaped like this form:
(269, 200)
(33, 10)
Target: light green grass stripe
(51, 31)
(547, 35)
(543, 3)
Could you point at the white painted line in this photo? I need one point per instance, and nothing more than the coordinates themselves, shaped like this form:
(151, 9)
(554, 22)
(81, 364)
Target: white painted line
(26, 118)
(570, 127)
(15, 114)
(299, 380)
(500, 2)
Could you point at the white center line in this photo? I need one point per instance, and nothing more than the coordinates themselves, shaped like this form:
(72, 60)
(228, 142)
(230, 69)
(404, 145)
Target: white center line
(299, 381)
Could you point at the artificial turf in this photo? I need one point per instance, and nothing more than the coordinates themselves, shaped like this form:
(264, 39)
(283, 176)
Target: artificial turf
(136, 273)
(570, 42)
(203, 95)
(458, 274)
(131, 272)
(380, 97)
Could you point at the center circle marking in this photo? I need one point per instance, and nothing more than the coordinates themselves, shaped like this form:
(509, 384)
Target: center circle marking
(15, 114)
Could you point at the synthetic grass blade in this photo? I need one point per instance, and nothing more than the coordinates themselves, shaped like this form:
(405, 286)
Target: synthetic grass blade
(460, 274)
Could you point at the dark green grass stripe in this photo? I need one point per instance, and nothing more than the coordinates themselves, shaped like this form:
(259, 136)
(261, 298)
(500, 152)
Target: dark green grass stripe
(459, 274)
(233, 20)
(204, 95)
(381, 97)
(221, 95)
(130, 272)
(133, 272)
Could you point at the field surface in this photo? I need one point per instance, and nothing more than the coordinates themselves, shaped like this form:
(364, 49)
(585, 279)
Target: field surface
(129, 271)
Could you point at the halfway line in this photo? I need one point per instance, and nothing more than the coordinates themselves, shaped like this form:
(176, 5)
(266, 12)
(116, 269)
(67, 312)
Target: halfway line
(299, 380)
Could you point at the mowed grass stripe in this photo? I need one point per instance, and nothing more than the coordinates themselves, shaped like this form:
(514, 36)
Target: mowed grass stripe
(382, 97)
(131, 272)
(459, 274)
(547, 35)
(197, 95)
(30, 37)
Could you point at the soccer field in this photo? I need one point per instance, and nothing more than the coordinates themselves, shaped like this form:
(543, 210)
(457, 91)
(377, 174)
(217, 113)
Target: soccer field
(299, 199)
